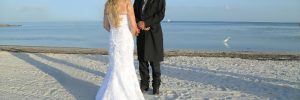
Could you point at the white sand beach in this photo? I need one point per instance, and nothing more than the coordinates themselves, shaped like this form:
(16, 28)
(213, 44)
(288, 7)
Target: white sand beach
(37, 76)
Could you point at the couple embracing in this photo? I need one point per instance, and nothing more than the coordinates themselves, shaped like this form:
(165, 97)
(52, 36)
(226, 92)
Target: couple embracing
(125, 21)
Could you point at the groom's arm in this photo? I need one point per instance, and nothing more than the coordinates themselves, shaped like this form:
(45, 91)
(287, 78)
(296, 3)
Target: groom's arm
(136, 7)
(158, 15)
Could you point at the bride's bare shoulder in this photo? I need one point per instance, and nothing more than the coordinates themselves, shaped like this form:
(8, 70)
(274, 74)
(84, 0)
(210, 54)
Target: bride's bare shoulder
(124, 6)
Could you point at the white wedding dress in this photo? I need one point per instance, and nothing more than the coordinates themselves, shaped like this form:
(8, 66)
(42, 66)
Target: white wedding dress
(120, 82)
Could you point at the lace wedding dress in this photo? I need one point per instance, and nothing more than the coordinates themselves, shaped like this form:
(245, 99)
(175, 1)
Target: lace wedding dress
(120, 82)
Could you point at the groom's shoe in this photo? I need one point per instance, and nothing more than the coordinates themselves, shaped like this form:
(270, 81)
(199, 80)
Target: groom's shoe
(144, 89)
(144, 86)
(155, 91)
(156, 85)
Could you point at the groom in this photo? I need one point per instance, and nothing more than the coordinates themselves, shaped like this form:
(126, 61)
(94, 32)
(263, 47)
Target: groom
(149, 14)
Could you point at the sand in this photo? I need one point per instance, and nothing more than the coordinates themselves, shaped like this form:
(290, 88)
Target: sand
(36, 76)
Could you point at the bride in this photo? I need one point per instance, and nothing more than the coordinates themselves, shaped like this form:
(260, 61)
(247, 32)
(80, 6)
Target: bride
(120, 82)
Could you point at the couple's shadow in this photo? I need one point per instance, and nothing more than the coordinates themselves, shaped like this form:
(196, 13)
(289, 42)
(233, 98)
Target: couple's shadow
(80, 89)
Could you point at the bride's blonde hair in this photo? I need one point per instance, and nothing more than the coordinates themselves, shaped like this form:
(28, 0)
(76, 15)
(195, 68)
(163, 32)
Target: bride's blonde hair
(113, 11)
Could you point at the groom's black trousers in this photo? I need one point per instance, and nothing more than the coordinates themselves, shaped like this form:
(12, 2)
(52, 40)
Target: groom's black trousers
(144, 73)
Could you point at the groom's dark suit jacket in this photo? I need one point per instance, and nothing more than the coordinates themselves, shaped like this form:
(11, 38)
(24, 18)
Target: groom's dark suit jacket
(150, 43)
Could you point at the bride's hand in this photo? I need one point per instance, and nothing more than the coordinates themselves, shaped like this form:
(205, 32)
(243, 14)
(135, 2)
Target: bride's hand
(137, 32)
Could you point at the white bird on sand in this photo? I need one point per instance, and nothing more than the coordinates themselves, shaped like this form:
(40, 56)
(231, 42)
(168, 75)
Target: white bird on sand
(227, 39)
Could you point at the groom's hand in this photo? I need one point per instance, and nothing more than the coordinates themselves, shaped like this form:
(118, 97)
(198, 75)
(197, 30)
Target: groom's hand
(141, 25)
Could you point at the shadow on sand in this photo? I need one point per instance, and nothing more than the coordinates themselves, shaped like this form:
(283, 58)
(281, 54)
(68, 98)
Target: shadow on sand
(234, 82)
(60, 61)
(80, 89)
(83, 90)
(97, 58)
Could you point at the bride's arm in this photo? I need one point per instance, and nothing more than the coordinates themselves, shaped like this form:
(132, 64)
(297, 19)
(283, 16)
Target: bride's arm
(133, 25)
(105, 21)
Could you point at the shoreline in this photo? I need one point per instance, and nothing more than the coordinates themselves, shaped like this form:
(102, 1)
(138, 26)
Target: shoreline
(168, 52)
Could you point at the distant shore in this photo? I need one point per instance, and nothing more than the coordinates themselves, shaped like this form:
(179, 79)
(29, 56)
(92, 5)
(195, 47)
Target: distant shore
(7, 25)
(168, 53)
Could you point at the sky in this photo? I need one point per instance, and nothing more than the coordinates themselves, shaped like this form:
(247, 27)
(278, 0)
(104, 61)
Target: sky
(179, 10)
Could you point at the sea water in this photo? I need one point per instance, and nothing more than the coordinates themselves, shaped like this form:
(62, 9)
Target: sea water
(192, 35)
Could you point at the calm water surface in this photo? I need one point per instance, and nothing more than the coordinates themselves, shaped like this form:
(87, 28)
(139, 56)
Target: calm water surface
(244, 36)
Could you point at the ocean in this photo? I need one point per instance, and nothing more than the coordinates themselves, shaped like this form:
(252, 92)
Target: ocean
(190, 35)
